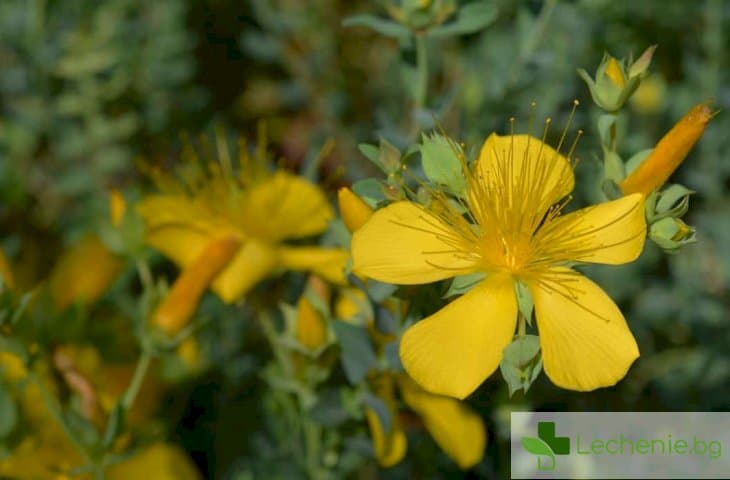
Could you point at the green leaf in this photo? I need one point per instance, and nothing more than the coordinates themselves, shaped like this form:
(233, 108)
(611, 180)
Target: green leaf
(358, 355)
(441, 164)
(672, 195)
(385, 27)
(522, 350)
(463, 283)
(8, 411)
(536, 446)
(471, 18)
(370, 151)
(521, 363)
(370, 190)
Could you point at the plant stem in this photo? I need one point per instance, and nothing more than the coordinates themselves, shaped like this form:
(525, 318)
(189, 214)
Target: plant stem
(145, 275)
(137, 378)
(55, 411)
(521, 325)
(421, 71)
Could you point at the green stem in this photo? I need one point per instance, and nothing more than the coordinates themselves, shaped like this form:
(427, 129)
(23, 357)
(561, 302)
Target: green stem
(521, 325)
(421, 71)
(55, 410)
(145, 275)
(136, 383)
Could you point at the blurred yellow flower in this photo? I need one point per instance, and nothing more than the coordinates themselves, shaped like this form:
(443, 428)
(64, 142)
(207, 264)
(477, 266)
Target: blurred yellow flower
(650, 96)
(457, 429)
(83, 273)
(514, 197)
(261, 210)
(669, 152)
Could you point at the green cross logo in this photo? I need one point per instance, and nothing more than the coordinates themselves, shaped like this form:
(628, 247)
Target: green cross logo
(546, 445)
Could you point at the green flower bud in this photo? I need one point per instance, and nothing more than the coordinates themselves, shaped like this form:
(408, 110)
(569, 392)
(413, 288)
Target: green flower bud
(614, 82)
(671, 233)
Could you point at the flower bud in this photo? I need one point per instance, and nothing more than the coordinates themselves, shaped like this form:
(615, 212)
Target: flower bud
(353, 209)
(176, 309)
(671, 233)
(668, 153)
(311, 326)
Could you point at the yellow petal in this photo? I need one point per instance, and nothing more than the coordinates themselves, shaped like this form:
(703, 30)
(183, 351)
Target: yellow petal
(160, 461)
(326, 262)
(528, 165)
(404, 243)
(179, 243)
(615, 72)
(353, 210)
(181, 302)
(454, 350)
(390, 447)
(83, 273)
(179, 210)
(284, 206)
(612, 233)
(311, 327)
(584, 338)
(254, 261)
(456, 428)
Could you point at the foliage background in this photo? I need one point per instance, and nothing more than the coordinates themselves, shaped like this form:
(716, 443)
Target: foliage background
(88, 88)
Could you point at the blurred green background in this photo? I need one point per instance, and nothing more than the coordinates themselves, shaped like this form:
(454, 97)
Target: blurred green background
(88, 88)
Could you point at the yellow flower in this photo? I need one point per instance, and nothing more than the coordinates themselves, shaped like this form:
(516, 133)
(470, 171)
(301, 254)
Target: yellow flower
(669, 152)
(615, 72)
(457, 429)
(261, 210)
(516, 233)
(83, 273)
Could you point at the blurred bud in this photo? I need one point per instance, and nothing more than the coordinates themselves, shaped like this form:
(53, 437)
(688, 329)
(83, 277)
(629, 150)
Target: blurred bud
(117, 207)
(614, 83)
(311, 326)
(6, 272)
(668, 153)
(671, 233)
(352, 306)
(649, 97)
(353, 209)
(83, 273)
(189, 352)
(421, 14)
(181, 302)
